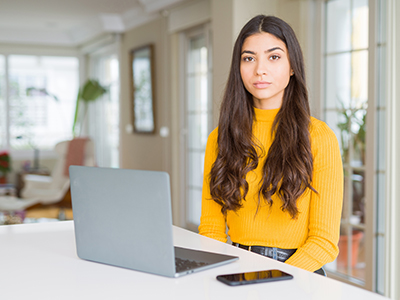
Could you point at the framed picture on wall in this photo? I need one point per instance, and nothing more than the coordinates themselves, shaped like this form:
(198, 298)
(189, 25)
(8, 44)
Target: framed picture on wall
(142, 89)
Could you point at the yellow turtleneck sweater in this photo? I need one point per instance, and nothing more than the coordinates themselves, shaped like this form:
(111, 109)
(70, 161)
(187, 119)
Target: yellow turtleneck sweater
(315, 233)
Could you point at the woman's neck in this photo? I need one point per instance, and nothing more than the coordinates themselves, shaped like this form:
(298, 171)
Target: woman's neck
(270, 103)
(266, 115)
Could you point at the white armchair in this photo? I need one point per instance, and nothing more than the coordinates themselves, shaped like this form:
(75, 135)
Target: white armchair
(52, 189)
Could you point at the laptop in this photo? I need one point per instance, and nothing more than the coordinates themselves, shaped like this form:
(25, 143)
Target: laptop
(123, 218)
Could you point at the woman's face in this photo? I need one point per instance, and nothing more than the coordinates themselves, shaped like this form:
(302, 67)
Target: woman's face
(265, 69)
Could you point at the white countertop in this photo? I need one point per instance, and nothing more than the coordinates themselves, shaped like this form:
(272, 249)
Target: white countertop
(39, 261)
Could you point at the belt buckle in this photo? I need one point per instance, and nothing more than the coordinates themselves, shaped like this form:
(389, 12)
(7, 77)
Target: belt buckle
(249, 248)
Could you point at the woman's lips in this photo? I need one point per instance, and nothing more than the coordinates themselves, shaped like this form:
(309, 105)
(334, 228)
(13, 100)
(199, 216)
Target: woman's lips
(261, 84)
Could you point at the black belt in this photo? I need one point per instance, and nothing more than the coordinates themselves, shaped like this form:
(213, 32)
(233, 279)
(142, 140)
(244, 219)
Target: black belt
(271, 252)
(280, 254)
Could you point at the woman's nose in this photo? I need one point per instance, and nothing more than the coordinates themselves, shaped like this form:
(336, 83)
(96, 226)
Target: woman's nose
(261, 69)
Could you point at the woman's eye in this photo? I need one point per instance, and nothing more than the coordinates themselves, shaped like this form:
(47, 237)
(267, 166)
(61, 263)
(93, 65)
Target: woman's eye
(248, 58)
(274, 57)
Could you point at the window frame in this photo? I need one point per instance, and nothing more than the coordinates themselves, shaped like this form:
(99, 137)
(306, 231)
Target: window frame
(392, 288)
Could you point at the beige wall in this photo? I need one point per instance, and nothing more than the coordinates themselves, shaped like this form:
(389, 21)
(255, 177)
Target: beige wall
(222, 43)
(243, 11)
(145, 151)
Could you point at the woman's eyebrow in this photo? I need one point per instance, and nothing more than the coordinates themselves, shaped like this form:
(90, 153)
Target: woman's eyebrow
(267, 51)
(249, 52)
(275, 48)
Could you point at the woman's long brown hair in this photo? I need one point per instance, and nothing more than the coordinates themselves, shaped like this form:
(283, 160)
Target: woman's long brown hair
(288, 168)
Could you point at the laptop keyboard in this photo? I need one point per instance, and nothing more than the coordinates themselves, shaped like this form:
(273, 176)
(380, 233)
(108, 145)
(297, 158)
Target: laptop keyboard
(186, 264)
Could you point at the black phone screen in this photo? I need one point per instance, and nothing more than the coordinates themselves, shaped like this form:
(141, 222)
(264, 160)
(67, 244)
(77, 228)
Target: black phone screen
(254, 277)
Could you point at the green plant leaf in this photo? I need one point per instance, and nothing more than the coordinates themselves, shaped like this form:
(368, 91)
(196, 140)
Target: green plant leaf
(43, 92)
(90, 91)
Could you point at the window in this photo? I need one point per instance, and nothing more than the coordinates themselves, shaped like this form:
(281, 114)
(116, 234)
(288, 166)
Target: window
(196, 121)
(39, 102)
(103, 122)
(346, 100)
(355, 109)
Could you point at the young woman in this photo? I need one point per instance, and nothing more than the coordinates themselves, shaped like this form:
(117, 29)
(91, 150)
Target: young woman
(273, 174)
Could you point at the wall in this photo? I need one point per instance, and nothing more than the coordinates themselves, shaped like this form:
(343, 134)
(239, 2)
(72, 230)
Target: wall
(222, 43)
(243, 11)
(145, 151)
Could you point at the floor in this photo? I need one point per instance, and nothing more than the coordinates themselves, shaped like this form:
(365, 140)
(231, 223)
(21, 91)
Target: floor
(36, 215)
(61, 210)
(48, 213)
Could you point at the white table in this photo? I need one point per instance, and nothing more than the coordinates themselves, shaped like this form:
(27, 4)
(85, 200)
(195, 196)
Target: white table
(38, 261)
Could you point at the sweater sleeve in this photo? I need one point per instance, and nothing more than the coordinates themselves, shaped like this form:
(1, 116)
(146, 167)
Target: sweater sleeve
(212, 221)
(321, 245)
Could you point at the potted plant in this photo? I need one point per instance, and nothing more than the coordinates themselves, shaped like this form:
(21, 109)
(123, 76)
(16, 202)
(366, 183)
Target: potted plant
(5, 166)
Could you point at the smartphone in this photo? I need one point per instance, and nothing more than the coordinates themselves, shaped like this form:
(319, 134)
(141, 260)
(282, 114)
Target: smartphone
(254, 277)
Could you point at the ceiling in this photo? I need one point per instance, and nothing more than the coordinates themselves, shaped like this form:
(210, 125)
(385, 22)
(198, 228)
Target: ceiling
(72, 22)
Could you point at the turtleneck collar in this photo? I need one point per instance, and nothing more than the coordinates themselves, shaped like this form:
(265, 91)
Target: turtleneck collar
(266, 115)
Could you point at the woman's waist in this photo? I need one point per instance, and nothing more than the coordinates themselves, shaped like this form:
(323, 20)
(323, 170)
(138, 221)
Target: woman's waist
(285, 239)
(272, 252)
